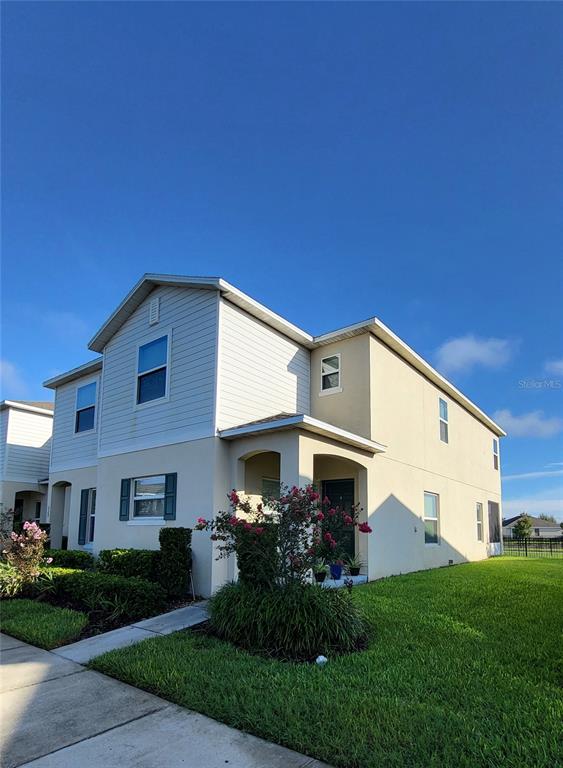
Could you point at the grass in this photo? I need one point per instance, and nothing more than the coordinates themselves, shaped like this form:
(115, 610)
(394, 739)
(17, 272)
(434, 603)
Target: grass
(40, 623)
(462, 670)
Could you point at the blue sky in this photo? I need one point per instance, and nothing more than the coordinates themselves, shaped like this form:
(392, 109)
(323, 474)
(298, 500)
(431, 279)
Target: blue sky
(335, 161)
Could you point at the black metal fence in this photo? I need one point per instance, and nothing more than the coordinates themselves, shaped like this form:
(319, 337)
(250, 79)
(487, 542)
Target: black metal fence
(534, 547)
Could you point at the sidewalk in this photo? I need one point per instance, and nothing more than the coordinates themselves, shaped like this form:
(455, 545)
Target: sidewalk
(164, 624)
(57, 714)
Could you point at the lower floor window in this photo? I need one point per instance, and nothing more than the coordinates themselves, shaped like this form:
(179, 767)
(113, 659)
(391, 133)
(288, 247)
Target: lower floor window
(92, 517)
(479, 521)
(87, 520)
(270, 488)
(431, 518)
(148, 496)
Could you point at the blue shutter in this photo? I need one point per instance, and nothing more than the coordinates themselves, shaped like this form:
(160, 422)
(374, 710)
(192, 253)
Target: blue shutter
(124, 502)
(83, 520)
(170, 497)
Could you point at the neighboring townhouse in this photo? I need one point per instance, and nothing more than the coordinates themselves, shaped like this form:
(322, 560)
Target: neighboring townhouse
(540, 528)
(25, 445)
(200, 389)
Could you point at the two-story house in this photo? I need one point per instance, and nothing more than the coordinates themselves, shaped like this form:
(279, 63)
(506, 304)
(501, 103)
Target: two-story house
(25, 444)
(200, 389)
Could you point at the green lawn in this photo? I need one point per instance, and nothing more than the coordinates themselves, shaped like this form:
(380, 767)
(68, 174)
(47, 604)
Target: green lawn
(462, 670)
(40, 623)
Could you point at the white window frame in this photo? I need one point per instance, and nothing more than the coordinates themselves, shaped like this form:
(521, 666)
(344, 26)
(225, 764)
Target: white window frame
(152, 520)
(479, 513)
(496, 460)
(433, 519)
(147, 340)
(332, 390)
(91, 431)
(445, 421)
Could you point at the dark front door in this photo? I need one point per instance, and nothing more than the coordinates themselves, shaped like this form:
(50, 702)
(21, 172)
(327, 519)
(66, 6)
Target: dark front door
(341, 494)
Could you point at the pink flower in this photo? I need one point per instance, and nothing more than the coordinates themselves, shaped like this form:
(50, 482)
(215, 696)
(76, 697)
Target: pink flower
(348, 520)
(233, 520)
(332, 511)
(327, 536)
(247, 527)
(202, 521)
(364, 528)
(234, 497)
(333, 544)
(326, 501)
(258, 531)
(320, 516)
(49, 560)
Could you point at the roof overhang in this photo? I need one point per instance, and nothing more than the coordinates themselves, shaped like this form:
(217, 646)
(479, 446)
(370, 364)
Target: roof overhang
(75, 373)
(308, 424)
(385, 334)
(25, 407)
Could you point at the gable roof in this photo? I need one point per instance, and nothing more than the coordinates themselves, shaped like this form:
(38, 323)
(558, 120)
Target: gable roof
(373, 325)
(537, 522)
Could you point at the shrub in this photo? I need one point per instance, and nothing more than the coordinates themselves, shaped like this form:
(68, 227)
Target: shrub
(306, 529)
(115, 597)
(175, 560)
(142, 563)
(70, 558)
(25, 551)
(299, 621)
(11, 581)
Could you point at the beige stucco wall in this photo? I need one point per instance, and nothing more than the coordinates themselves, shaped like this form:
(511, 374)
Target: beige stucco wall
(33, 493)
(405, 417)
(350, 408)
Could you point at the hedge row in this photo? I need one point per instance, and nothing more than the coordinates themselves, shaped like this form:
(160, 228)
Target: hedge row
(70, 558)
(142, 563)
(114, 597)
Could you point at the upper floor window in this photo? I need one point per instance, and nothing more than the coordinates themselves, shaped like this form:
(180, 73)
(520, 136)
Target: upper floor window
(152, 370)
(431, 518)
(495, 454)
(85, 418)
(330, 374)
(443, 421)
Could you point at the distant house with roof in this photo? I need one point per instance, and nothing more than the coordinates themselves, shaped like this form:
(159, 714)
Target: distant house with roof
(540, 528)
(25, 446)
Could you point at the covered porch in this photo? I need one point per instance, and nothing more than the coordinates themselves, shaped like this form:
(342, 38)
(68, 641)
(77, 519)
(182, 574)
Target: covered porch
(298, 450)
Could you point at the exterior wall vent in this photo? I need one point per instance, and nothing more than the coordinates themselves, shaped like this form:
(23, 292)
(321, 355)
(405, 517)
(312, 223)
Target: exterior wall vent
(154, 311)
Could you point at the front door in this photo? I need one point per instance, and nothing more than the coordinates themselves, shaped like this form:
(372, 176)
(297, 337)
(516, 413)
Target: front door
(341, 494)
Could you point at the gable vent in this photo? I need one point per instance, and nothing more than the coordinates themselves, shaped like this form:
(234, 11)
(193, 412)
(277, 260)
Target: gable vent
(154, 311)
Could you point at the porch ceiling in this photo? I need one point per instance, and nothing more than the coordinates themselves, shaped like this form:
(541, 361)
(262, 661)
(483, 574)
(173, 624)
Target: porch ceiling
(285, 421)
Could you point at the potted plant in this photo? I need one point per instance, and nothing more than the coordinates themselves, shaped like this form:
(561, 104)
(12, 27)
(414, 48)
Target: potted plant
(354, 564)
(319, 571)
(336, 569)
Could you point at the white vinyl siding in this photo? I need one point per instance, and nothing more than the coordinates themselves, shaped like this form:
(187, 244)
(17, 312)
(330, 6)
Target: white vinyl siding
(28, 445)
(71, 449)
(261, 372)
(190, 317)
(3, 436)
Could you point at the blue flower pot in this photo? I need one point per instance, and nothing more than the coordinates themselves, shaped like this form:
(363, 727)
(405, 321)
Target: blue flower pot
(336, 571)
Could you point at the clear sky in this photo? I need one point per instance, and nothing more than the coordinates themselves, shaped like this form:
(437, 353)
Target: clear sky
(336, 161)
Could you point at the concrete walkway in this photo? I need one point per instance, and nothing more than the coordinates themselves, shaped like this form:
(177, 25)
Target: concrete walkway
(57, 714)
(181, 618)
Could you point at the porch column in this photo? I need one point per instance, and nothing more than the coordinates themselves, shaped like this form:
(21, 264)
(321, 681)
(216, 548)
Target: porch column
(296, 463)
(364, 502)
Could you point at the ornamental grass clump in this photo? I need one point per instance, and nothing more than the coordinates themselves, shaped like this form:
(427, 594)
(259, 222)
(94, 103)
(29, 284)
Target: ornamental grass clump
(294, 622)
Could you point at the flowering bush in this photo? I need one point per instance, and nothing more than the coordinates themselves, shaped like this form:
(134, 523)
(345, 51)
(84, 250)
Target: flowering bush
(279, 541)
(24, 551)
